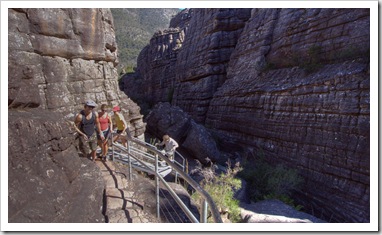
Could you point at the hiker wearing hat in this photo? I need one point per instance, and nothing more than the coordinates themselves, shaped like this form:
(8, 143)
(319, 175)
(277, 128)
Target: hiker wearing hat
(121, 124)
(86, 124)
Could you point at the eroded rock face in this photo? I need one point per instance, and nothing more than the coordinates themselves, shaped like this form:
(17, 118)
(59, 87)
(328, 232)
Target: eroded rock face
(290, 83)
(158, 58)
(58, 58)
(47, 180)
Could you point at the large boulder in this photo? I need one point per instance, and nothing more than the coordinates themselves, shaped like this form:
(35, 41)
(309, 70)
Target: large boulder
(274, 211)
(192, 137)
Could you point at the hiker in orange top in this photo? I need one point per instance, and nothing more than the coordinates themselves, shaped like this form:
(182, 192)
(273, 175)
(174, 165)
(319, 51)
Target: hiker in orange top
(106, 127)
(122, 130)
(86, 123)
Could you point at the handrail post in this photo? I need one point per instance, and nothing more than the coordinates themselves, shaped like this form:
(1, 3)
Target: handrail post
(112, 145)
(129, 157)
(176, 173)
(203, 215)
(157, 187)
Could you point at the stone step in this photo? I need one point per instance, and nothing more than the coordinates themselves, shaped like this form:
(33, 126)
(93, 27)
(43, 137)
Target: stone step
(126, 216)
(121, 199)
(122, 205)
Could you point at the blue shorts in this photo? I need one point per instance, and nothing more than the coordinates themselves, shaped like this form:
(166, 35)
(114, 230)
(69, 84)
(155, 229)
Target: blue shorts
(105, 134)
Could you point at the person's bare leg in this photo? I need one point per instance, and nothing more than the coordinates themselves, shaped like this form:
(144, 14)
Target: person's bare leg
(106, 148)
(124, 143)
(116, 138)
(94, 156)
(100, 144)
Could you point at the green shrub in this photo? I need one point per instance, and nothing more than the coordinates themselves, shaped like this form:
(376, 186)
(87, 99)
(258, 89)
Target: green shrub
(129, 68)
(221, 188)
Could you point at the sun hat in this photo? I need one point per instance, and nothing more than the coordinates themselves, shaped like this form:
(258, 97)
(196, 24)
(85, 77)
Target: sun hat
(90, 103)
(116, 108)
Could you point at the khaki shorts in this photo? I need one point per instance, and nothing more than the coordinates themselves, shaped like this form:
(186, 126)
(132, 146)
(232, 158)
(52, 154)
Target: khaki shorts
(91, 143)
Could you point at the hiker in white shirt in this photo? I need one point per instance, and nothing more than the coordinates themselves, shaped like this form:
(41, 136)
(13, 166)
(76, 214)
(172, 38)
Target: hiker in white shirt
(170, 146)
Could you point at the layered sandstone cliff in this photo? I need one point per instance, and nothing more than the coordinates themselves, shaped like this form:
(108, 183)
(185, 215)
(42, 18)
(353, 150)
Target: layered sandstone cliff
(290, 83)
(57, 59)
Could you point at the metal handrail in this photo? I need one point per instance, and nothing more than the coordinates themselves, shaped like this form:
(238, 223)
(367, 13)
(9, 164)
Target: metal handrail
(176, 155)
(207, 198)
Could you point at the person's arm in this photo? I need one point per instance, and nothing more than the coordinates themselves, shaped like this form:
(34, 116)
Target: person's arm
(98, 125)
(124, 122)
(160, 143)
(77, 122)
(174, 145)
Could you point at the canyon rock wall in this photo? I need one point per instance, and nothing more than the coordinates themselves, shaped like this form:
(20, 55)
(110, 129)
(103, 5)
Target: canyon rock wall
(183, 72)
(158, 58)
(300, 94)
(57, 59)
(292, 84)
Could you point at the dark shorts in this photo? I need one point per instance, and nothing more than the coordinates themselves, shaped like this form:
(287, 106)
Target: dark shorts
(126, 133)
(119, 131)
(105, 134)
(91, 142)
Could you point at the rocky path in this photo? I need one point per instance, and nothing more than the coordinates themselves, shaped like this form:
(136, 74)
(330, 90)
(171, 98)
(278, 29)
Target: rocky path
(121, 202)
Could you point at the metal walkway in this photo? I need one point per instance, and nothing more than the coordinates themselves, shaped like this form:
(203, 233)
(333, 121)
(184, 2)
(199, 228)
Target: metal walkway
(149, 167)
(145, 157)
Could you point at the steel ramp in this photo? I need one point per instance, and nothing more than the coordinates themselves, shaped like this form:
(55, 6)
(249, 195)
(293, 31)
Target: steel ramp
(119, 156)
